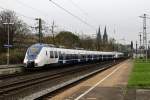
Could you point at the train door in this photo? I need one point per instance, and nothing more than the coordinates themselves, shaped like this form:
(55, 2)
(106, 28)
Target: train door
(64, 58)
(52, 57)
(56, 56)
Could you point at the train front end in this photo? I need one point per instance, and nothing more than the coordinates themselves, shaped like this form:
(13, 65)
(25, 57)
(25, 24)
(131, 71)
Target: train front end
(31, 58)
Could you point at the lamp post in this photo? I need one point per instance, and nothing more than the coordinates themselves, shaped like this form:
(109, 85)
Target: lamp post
(8, 39)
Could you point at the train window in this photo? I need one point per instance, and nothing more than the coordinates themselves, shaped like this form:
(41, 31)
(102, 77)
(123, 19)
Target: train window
(46, 53)
(67, 56)
(84, 57)
(60, 56)
(59, 53)
(76, 56)
(56, 55)
(70, 56)
(51, 54)
(79, 57)
(64, 56)
(109, 56)
(90, 56)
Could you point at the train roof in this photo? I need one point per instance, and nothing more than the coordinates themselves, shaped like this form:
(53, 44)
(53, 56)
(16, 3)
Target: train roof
(41, 45)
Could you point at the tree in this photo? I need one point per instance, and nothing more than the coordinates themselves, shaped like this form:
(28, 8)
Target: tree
(87, 43)
(67, 39)
(111, 45)
(19, 27)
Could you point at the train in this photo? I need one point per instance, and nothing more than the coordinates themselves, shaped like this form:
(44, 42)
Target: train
(39, 55)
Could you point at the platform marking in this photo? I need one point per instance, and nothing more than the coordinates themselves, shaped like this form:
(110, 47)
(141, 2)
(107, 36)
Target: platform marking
(91, 98)
(80, 96)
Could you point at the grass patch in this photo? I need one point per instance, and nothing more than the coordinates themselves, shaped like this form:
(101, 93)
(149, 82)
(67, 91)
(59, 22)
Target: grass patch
(140, 76)
(141, 60)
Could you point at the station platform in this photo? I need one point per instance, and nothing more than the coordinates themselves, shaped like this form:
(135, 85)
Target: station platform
(107, 85)
(11, 69)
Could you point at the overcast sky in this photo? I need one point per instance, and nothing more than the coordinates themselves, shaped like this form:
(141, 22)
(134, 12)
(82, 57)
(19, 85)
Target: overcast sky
(120, 16)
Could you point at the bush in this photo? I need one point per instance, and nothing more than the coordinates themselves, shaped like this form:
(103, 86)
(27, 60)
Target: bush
(3, 59)
(16, 57)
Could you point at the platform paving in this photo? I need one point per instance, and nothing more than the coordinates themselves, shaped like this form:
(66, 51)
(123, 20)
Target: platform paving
(11, 69)
(107, 85)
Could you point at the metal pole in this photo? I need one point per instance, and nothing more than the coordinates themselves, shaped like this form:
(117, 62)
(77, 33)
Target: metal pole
(53, 32)
(8, 47)
(140, 46)
(145, 33)
(40, 32)
(40, 29)
(136, 48)
(8, 40)
(53, 35)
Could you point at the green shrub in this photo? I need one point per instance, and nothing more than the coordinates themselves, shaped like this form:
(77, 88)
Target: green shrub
(3, 59)
(16, 57)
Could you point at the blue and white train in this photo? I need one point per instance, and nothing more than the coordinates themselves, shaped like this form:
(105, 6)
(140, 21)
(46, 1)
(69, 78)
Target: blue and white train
(39, 55)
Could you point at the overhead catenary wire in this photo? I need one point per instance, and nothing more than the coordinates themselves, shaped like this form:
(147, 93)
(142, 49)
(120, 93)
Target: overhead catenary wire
(78, 7)
(31, 18)
(82, 11)
(22, 15)
(75, 16)
(41, 12)
(35, 9)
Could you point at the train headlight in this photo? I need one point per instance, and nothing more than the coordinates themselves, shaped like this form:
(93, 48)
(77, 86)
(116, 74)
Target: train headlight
(24, 64)
(36, 64)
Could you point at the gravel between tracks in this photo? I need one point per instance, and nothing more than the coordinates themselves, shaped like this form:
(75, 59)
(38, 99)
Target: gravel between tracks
(37, 87)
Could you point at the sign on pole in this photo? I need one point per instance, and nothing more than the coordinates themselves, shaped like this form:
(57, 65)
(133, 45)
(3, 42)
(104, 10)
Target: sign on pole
(8, 46)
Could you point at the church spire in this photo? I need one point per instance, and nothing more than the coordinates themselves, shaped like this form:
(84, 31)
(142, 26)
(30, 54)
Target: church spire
(99, 34)
(105, 36)
(99, 39)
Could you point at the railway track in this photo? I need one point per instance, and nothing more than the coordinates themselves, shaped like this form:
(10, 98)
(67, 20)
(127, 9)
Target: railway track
(29, 75)
(34, 72)
(9, 88)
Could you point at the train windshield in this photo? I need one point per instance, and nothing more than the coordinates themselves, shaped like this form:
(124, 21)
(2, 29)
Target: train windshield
(33, 51)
